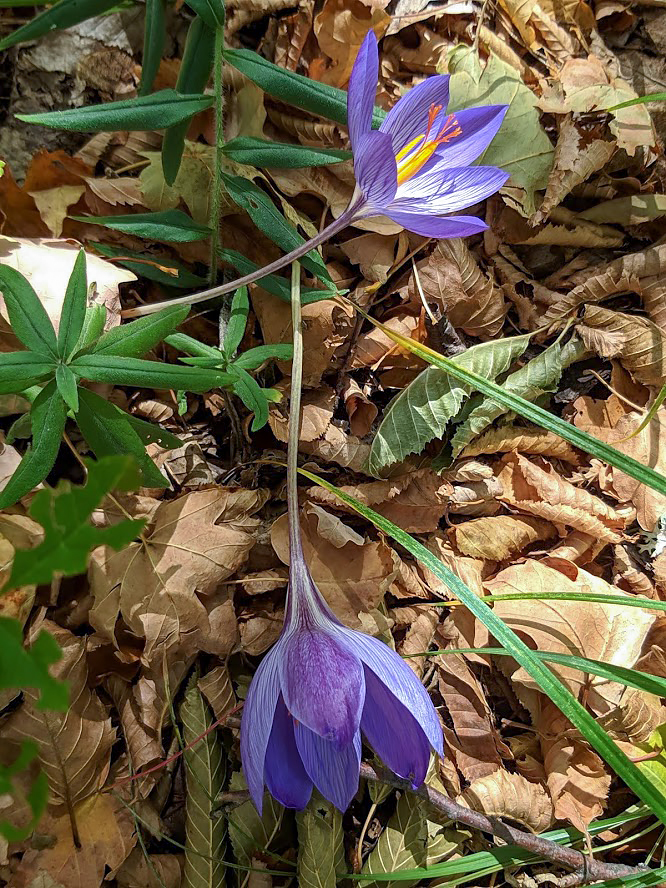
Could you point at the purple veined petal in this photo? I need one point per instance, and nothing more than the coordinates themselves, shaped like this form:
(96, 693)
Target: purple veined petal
(362, 89)
(408, 118)
(390, 669)
(438, 226)
(376, 169)
(393, 732)
(479, 127)
(257, 722)
(335, 772)
(447, 191)
(286, 778)
(322, 683)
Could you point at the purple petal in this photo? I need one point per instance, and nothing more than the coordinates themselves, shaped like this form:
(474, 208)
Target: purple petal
(257, 722)
(442, 190)
(335, 772)
(362, 89)
(286, 778)
(390, 669)
(439, 227)
(323, 684)
(393, 732)
(408, 118)
(479, 127)
(375, 168)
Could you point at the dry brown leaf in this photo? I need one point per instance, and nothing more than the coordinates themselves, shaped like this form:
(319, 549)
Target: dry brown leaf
(628, 576)
(74, 746)
(375, 254)
(151, 871)
(54, 203)
(607, 632)
(340, 28)
(499, 537)
(635, 718)
(121, 191)
(376, 349)
(579, 548)
(565, 229)
(511, 796)
(141, 712)
(360, 409)
(509, 438)
(217, 688)
(421, 621)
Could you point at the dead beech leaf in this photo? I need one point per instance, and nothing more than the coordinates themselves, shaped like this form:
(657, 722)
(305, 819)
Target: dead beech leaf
(54, 203)
(508, 438)
(511, 796)
(499, 537)
(340, 28)
(74, 746)
(141, 712)
(376, 349)
(565, 229)
(636, 716)
(579, 548)
(627, 574)
(360, 409)
(375, 254)
(121, 191)
(217, 688)
(606, 632)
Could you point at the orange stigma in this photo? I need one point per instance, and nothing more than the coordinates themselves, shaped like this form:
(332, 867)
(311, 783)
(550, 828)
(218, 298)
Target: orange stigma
(418, 152)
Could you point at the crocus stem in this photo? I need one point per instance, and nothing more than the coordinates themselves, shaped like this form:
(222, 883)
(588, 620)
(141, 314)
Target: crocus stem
(295, 546)
(216, 198)
(340, 223)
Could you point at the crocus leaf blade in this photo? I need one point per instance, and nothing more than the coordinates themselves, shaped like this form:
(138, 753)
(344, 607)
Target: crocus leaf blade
(161, 269)
(154, 39)
(274, 284)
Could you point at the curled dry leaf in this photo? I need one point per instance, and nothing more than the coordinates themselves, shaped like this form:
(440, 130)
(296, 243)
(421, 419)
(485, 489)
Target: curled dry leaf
(579, 548)
(360, 409)
(635, 718)
(141, 712)
(508, 438)
(627, 574)
(512, 797)
(565, 229)
(498, 538)
(375, 254)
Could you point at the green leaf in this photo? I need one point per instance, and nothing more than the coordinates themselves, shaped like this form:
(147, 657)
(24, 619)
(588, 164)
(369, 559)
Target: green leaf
(161, 269)
(67, 386)
(147, 374)
(251, 394)
(422, 411)
(191, 346)
(22, 667)
(640, 100)
(154, 38)
(27, 315)
(20, 370)
(48, 415)
(209, 11)
(204, 770)
(544, 678)
(156, 111)
(403, 844)
(320, 844)
(73, 308)
(138, 337)
(273, 284)
(93, 326)
(240, 307)
(538, 376)
(630, 210)
(109, 432)
(149, 433)
(521, 147)
(268, 155)
(69, 535)
(294, 89)
(37, 796)
(61, 15)
(263, 212)
(166, 225)
(255, 357)
(249, 832)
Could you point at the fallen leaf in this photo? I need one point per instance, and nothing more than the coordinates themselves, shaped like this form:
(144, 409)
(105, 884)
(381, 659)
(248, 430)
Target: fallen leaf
(54, 203)
(510, 796)
(498, 538)
(514, 438)
(340, 28)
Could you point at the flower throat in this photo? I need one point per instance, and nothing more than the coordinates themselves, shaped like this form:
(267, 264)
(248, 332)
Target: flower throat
(412, 158)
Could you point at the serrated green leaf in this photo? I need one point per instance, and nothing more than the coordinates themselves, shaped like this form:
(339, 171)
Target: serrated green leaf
(154, 38)
(255, 357)
(48, 415)
(249, 832)
(204, 770)
(272, 283)
(69, 535)
(422, 411)
(320, 844)
(61, 15)
(138, 337)
(251, 394)
(22, 667)
(27, 315)
(67, 386)
(267, 155)
(161, 269)
(20, 370)
(73, 307)
(156, 111)
(166, 225)
(119, 370)
(240, 307)
(404, 842)
(538, 376)
(36, 797)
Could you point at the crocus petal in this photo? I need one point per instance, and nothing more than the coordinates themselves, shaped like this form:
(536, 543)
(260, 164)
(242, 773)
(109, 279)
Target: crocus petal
(362, 89)
(479, 127)
(335, 772)
(393, 732)
(447, 191)
(257, 722)
(392, 671)
(408, 118)
(375, 168)
(439, 227)
(286, 778)
(322, 684)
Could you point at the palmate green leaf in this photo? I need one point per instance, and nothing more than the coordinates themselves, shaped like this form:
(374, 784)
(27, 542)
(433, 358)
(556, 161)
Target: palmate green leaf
(156, 111)
(274, 284)
(154, 38)
(48, 415)
(204, 776)
(74, 305)
(538, 376)
(20, 370)
(266, 155)
(69, 535)
(138, 337)
(320, 844)
(240, 307)
(37, 796)
(404, 842)
(22, 667)
(544, 678)
(162, 269)
(27, 315)
(263, 212)
(166, 225)
(63, 14)
(422, 411)
(119, 370)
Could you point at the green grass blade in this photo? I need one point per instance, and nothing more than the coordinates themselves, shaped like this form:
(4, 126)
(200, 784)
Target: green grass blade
(597, 598)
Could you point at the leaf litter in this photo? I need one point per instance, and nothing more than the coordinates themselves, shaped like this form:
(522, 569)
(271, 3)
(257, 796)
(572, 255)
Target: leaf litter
(561, 301)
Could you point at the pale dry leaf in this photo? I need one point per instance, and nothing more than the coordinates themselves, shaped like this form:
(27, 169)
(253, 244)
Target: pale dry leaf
(500, 537)
(376, 349)
(565, 229)
(374, 254)
(508, 438)
(217, 688)
(340, 28)
(259, 628)
(579, 548)
(627, 574)
(510, 796)
(141, 712)
(121, 191)
(476, 498)
(54, 203)
(150, 871)
(635, 718)
(421, 621)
